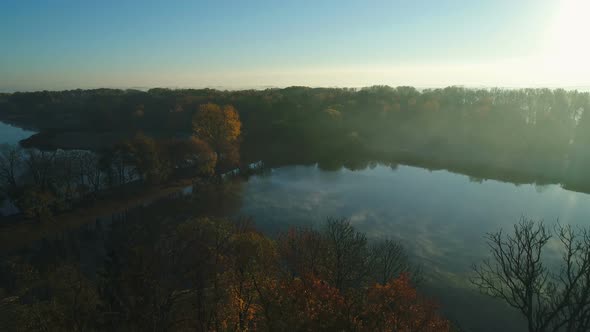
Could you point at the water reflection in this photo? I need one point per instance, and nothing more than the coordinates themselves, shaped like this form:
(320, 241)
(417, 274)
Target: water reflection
(437, 213)
(11, 134)
(439, 216)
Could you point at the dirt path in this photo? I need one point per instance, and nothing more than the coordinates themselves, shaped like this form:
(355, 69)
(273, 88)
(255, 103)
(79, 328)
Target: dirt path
(22, 233)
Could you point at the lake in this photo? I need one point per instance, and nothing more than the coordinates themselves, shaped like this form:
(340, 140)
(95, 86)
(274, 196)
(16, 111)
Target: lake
(440, 217)
(11, 134)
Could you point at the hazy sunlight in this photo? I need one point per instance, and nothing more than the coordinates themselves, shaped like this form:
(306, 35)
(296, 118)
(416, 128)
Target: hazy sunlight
(568, 50)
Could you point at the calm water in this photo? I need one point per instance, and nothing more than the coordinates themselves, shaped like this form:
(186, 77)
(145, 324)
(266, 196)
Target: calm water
(439, 216)
(12, 135)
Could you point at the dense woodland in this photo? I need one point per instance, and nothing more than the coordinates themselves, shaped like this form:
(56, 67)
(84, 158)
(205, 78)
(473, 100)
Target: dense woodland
(144, 272)
(527, 135)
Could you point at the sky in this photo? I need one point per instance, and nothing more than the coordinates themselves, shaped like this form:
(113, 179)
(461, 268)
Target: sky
(58, 44)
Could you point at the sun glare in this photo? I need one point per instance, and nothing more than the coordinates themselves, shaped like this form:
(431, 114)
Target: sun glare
(567, 49)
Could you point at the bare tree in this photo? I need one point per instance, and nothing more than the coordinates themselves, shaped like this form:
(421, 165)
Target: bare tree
(115, 165)
(346, 252)
(90, 171)
(11, 161)
(388, 260)
(40, 166)
(570, 292)
(65, 169)
(549, 299)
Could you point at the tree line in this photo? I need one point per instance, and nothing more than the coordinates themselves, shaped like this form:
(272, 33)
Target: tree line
(531, 134)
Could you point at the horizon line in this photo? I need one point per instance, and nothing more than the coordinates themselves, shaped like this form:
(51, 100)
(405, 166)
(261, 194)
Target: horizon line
(582, 87)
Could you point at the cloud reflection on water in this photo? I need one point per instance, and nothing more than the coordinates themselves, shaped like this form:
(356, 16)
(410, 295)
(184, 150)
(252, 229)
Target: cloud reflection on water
(440, 217)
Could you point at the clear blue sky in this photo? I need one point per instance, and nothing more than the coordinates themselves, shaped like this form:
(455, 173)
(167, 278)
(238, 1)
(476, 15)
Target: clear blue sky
(67, 44)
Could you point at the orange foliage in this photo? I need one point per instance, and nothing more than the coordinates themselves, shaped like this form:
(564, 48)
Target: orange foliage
(301, 249)
(309, 304)
(396, 306)
(253, 292)
(206, 158)
(250, 272)
(220, 127)
(216, 125)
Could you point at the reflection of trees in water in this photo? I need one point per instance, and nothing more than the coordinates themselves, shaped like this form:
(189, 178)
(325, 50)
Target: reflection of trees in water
(215, 200)
(529, 135)
(335, 157)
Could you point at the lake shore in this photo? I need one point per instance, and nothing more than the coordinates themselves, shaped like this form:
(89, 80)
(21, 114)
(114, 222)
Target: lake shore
(24, 232)
(525, 171)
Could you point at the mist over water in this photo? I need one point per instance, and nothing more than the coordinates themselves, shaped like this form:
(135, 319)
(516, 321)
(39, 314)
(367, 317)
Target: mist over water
(439, 216)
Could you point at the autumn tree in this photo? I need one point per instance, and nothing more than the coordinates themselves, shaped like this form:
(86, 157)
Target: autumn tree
(206, 246)
(202, 156)
(220, 127)
(397, 306)
(193, 153)
(310, 304)
(145, 157)
(252, 267)
(209, 274)
(147, 282)
(72, 303)
(302, 250)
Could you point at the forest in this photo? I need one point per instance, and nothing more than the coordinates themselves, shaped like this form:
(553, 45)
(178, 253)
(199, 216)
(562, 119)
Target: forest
(210, 274)
(521, 135)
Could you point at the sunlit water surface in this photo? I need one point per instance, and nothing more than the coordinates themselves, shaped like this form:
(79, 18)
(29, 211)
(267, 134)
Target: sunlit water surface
(440, 217)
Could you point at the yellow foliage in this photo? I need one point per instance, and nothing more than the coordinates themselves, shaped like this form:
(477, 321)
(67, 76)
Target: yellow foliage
(220, 128)
(217, 125)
